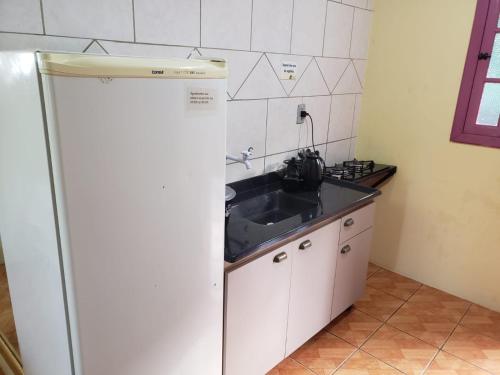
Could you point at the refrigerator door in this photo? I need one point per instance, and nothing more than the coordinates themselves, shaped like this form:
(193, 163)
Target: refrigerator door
(139, 171)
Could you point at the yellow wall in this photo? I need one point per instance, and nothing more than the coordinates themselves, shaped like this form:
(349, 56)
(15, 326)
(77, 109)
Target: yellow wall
(438, 220)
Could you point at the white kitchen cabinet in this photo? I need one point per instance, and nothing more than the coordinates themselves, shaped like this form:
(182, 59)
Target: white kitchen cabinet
(350, 275)
(313, 276)
(257, 296)
(356, 222)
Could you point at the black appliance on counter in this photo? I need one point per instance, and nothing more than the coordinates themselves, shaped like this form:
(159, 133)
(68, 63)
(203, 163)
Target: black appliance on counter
(306, 173)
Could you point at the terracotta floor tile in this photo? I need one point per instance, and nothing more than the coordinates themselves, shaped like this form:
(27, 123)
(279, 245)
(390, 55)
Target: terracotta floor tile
(400, 350)
(483, 321)
(394, 284)
(378, 304)
(372, 268)
(364, 364)
(447, 364)
(354, 326)
(428, 297)
(290, 367)
(431, 324)
(480, 350)
(323, 353)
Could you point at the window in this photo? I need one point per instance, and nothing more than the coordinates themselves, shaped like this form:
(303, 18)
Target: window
(477, 117)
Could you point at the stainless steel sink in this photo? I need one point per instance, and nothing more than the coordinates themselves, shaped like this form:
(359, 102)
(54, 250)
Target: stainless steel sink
(271, 208)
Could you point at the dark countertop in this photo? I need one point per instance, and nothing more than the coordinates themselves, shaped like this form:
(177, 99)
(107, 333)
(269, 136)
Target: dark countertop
(245, 238)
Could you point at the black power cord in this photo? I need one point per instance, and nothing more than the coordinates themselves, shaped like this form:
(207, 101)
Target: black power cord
(306, 114)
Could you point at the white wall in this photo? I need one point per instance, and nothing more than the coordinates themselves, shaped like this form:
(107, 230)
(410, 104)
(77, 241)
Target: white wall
(327, 40)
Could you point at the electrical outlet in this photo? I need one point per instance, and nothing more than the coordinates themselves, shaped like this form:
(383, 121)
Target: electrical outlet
(300, 108)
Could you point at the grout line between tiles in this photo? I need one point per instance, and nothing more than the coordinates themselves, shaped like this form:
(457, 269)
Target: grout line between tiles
(301, 365)
(304, 72)
(277, 76)
(324, 29)
(166, 45)
(470, 363)
(265, 137)
(424, 370)
(291, 28)
(88, 46)
(133, 18)
(251, 25)
(352, 30)
(100, 45)
(246, 78)
(199, 44)
(43, 16)
(340, 77)
(378, 359)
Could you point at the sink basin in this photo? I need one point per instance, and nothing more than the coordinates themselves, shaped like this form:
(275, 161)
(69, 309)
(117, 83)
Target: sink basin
(271, 208)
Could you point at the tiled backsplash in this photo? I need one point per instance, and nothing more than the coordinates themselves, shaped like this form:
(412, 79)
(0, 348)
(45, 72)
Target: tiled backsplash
(327, 40)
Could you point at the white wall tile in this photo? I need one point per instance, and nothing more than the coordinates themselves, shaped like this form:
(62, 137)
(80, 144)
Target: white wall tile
(337, 152)
(95, 49)
(240, 65)
(308, 27)
(41, 42)
(275, 162)
(238, 171)
(332, 70)
(110, 19)
(261, 83)
(357, 115)
(272, 25)
(360, 66)
(338, 30)
(355, 3)
(246, 126)
(277, 61)
(226, 24)
(349, 82)
(24, 16)
(352, 148)
(145, 50)
(370, 4)
(319, 109)
(168, 21)
(361, 33)
(341, 117)
(311, 83)
(282, 130)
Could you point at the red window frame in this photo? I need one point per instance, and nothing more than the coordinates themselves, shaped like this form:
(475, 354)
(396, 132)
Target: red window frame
(484, 29)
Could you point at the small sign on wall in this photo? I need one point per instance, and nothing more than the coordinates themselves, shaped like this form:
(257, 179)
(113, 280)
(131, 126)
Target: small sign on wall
(288, 70)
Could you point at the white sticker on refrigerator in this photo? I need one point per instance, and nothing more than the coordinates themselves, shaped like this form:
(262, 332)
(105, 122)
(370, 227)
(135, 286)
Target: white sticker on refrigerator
(200, 99)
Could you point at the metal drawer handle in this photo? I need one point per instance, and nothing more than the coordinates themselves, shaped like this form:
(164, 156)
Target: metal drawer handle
(306, 244)
(345, 249)
(349, 222)
(280, 257)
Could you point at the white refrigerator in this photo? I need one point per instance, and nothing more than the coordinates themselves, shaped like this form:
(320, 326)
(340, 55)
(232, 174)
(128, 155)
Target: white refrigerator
(112, 173)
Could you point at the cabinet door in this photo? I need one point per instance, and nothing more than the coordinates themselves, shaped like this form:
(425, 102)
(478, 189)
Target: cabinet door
(350, 276)
(257, 296)
(313, 276)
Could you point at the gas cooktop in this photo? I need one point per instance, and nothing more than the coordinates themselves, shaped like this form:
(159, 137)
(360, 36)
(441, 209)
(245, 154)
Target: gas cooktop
(364, 172)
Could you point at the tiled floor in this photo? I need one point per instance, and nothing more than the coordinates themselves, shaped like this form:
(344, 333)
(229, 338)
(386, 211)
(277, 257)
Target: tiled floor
(401, 326)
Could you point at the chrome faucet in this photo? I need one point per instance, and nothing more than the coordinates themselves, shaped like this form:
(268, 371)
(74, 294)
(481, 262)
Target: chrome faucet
(245, 157)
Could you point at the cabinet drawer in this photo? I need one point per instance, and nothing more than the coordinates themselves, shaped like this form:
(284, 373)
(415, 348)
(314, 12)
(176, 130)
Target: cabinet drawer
(356, 222)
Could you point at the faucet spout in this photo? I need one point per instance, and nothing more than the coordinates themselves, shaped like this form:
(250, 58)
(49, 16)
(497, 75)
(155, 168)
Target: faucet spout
(244, 159)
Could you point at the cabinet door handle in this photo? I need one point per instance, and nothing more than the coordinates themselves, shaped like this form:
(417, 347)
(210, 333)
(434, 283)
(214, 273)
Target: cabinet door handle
(345, 249)
(306, 244)
(349, 222)
(280, 257)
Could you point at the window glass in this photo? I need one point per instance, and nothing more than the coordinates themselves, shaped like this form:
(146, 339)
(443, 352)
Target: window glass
(489, 109)
(494, 69)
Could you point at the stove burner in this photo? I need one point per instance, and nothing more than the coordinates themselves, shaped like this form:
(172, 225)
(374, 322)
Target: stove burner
(351, 169)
